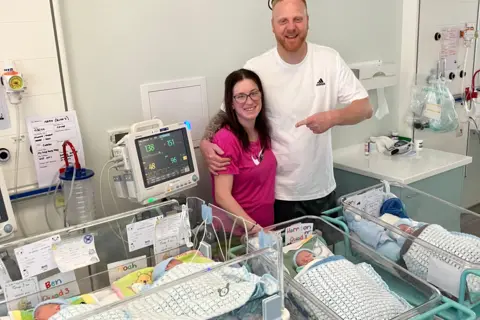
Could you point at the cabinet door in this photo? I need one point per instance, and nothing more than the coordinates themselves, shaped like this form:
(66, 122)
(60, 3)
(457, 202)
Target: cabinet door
(448, 187)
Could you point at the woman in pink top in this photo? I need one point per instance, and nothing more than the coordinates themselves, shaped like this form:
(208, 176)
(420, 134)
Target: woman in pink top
(246, 187)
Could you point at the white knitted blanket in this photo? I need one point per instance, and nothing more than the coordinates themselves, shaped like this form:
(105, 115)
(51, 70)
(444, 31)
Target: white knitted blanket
(464, 246)
(351, 291)
(210, 295)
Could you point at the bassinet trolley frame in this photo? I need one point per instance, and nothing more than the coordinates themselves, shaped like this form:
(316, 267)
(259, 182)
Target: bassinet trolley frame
(112, 246)
(425, 298)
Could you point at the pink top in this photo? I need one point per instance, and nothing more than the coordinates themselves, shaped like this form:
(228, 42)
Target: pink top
(253, 185)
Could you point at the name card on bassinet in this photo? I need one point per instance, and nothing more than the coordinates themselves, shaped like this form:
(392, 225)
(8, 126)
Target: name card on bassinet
(298, 232)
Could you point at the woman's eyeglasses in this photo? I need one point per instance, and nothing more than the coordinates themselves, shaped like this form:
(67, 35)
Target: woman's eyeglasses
(242, 97)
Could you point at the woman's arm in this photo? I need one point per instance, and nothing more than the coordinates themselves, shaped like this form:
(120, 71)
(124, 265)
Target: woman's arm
(224, 198)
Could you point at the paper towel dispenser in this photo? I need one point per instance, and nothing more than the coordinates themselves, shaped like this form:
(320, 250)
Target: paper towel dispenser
(371, 69)
(375, 74)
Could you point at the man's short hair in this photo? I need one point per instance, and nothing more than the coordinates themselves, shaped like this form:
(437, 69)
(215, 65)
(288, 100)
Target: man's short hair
(274, 2)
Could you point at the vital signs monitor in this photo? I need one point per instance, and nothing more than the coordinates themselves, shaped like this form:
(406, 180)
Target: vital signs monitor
(159, 161)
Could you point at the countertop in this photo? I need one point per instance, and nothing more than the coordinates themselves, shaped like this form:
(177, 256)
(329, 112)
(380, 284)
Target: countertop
(405, 169)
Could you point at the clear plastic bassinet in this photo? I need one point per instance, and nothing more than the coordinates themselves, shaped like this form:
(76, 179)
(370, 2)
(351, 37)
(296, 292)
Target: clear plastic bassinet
(425, 300)
(441, 246)
(107, 284)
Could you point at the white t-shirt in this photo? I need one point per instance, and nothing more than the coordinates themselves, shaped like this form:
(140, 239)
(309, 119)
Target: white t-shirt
(292, 93)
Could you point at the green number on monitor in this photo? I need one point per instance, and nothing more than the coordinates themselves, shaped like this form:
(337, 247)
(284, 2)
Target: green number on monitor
(171, 143)
(150, 147)
(173, 160)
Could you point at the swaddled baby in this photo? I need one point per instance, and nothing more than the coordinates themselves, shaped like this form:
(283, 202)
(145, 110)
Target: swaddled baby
(60, 309)
(385, 242)
(337, 282)
(303, 257)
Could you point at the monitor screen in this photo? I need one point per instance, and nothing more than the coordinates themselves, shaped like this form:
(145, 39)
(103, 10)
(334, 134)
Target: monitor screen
(164, 156)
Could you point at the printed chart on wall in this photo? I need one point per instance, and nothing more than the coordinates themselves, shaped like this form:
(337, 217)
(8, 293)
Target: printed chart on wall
(449, 50)
(47, 135)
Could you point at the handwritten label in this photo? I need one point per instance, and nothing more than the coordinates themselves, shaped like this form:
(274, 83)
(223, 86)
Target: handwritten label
(298, 232)
(141, 234)
(169, 233)
(60, 285)
(293, 233)
(75, 253)
(47, 135)
(22, 294)
(36, 258)
(119, 269)
(449, 47)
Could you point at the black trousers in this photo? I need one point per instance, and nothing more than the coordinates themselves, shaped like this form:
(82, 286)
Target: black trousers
(288, 210)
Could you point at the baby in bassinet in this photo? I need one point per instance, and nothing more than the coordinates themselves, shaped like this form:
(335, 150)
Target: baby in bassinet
(337, 282)
(413, 254)
(227, 290)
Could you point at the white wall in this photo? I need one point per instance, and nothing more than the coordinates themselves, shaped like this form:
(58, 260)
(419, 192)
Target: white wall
(115, 46)
(433, 16)
(27, 38)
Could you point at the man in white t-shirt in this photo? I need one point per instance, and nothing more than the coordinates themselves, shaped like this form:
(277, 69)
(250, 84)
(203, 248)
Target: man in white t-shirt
(303, 82)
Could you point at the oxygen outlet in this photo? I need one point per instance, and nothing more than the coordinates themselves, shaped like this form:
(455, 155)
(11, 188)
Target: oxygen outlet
(4, 155)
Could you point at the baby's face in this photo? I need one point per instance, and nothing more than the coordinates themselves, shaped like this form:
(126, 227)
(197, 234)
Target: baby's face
(304, 258)
(406, 228)
(173, 263)
(46, 311)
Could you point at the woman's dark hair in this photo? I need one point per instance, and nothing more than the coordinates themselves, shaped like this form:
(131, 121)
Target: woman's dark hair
(261, 123)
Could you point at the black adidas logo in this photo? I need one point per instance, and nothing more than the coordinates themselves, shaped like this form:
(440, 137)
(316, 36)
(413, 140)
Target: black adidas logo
(320, 82)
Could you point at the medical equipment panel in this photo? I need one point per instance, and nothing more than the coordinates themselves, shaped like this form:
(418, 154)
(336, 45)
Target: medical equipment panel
(164, 156)
(436, 240)
(159, 161)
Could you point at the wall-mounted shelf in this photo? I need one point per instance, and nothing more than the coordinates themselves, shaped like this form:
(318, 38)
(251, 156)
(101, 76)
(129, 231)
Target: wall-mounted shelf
(379, 82)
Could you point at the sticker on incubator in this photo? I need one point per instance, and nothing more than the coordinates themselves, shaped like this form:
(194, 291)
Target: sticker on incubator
(36, 258)
(169, 233)
(444, 276)
(75, 253)
(88, 238)
(141, 234)
(432, 111)
(119, 269)
(22, 294)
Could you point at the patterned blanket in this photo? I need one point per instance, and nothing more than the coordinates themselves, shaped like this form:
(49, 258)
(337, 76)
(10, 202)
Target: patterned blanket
(210, 295)
(417, 257)
(351, 291)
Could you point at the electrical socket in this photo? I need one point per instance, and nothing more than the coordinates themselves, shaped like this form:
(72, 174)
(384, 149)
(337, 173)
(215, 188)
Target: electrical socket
(115, 135)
